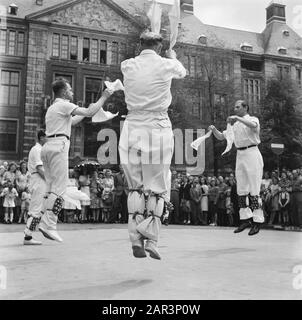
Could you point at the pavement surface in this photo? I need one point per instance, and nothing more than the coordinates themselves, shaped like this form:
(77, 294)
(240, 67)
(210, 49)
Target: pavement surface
(96, 262)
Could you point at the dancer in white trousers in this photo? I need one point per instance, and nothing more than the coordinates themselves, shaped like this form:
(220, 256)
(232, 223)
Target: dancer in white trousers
(60, 116)
(146, 142)
(37, 189)
(249, 166)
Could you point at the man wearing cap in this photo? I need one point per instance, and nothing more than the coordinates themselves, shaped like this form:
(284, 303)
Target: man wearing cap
(37, 188)
(146, 142)
(249, 166)
(60, 116)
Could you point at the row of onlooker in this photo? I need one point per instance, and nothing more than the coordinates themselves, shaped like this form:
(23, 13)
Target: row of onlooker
(197, 200)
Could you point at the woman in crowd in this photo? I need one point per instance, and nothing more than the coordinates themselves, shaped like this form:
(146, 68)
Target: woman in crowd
(274, 200)
(2, 171)
(221, 208)
(107, 184)
(204, 205)
(284, 199)
(195, 195)
(95, 201)
(10, 174)
(184, 194)
(84, 183)
(266, 181)
(22, 183)
(213, 198)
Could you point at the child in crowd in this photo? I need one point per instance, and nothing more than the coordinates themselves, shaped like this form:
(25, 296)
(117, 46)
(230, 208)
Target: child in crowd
(25, 201)
(284, 199)
(10, 194)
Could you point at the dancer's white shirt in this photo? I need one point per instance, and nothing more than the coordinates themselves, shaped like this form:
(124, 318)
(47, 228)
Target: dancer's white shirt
(243, 135)
(34, 158)
(147, 81)
(58, 118)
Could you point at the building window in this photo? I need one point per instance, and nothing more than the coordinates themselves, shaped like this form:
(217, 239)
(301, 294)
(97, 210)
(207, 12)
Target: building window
(285, 33)
(94, 50)
(86, 49)
(93, 89)
(114, 53)
(74, 48)
(220, 105)
(246, 47)
(103, 52)
(199, 70)
(193, 66)
(283, 72)
(11, 42)
(64, 47)
(2, 41)
(203, 40)
(282, 50)
(20, 44)
(122, 52)
(251, 91)
(13, 9)
(8, 135)
(226, 70)
(299, 76)
(9, 87)
(186, 62)
(219, 69)
(251, 65)
(196, 105)
(56, 45)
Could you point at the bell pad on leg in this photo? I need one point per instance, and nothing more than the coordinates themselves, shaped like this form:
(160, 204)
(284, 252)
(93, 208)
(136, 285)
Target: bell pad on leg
(242, 201)
(58, 205)
(254, 202)
(34, 223)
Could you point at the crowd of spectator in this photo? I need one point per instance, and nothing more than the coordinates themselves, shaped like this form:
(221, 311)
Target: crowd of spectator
(197, 200)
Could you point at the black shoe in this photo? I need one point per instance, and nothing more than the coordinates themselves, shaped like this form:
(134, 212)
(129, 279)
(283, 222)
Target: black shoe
(139, 252)
(255, 229)
(245, 224)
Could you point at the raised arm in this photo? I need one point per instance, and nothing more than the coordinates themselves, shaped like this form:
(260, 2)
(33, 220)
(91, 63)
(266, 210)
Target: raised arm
(218, 135)
(93, 108)
(249, 123)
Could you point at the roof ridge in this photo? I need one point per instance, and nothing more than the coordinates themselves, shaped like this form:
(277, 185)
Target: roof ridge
(232, 29)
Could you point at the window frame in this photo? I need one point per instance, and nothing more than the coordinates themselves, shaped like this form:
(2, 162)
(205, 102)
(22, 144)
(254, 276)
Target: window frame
(17, 135)
(253, 98)
(19, 87)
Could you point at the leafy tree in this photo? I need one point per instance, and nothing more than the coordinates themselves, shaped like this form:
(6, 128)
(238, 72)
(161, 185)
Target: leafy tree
(282, 120)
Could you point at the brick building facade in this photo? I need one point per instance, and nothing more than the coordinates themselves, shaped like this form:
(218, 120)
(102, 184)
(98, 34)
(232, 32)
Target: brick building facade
(85, 41)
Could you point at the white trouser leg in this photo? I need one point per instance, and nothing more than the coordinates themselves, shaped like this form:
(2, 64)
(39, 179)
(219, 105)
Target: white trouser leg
(37, 188)
(249, 170)
(150, 227)
(54, 155)
(136, 207)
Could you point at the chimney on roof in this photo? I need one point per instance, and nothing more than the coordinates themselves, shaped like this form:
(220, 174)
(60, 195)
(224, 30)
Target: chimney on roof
(275, 12)
(187, 6)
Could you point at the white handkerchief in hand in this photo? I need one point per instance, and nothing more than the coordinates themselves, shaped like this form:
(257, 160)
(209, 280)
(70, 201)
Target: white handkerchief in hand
(102, 116)
(114, 86)
(229, 135)
(196, 143)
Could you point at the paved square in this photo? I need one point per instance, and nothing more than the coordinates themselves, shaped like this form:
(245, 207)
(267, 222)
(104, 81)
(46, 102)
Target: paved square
(96, 262)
